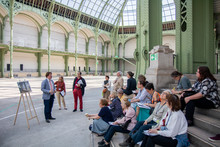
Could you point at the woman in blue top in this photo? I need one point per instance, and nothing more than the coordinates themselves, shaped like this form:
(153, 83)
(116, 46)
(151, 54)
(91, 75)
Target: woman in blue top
(183, 82)
(100, 124)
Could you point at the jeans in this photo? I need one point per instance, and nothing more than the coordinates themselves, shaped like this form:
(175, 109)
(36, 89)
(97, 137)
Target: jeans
(48, 105)
(190, 106)
(137, 132)
(159, 140)
(111, 131)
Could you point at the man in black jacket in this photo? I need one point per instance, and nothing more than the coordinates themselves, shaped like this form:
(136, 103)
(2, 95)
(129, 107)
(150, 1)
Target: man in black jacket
(79, 85)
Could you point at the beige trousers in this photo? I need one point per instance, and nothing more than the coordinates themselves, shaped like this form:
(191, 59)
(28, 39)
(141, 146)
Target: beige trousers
(59, 101)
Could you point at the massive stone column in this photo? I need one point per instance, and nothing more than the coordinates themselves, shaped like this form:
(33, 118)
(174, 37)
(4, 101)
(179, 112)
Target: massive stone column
(161, 66)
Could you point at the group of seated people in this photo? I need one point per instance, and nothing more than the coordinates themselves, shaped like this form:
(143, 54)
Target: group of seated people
(165, 123)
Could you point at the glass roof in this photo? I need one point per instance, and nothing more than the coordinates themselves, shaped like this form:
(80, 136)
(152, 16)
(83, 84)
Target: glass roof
(108, 10)
(129, 14)
(168, 10)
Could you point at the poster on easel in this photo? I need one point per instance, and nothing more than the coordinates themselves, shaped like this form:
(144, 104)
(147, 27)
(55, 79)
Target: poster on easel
(25, 89)
(24, 86)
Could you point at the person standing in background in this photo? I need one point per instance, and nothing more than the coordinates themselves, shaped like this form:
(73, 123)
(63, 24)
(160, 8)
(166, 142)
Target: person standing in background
(48, 88)
(79, 85)
(60, 92)
(118, 82)
(107, 87)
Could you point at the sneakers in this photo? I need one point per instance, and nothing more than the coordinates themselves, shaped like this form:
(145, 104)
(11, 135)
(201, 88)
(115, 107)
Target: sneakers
(101, 142)
(81, 110)
(74, 110)
(215, 138)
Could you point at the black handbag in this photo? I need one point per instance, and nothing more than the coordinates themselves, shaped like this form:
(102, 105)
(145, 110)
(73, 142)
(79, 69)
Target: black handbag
(125, 125)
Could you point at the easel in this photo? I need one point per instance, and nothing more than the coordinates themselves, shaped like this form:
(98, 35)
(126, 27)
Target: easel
(35, 114)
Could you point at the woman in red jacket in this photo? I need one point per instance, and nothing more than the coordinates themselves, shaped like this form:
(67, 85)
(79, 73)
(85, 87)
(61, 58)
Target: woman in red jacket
(60, 92)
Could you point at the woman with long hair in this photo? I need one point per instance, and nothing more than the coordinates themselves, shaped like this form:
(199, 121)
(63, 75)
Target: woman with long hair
(60, 92)
(204, 94)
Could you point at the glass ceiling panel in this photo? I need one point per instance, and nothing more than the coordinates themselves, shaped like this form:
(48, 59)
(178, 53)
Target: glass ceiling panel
(129, 13)
(168, 10)
(71, 3)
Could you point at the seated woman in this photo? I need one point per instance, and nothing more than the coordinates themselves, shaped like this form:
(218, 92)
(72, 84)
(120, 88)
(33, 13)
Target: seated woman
(204, 94)
(183, 82)
(129, 115)
(100, 124)
(120, 94)
(142, 97)
(152, 121)
(173, 127)
(131, 85)
(115, 106)
(155, 96)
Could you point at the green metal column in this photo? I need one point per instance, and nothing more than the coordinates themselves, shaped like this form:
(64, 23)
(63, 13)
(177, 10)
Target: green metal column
(76, 37)
(86, 59)
(96, 53)
(2, 55)
(67, 43)
(123, 62)
(194, 35)
(103, 61)
(107, 56)
(40, 37)
(50, 14)
(66, 60)
(149, 31)
(11, 47)
(87, 65)
(39, 63)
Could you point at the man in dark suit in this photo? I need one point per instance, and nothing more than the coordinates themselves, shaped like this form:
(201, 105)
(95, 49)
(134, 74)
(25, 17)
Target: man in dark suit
(79, 85)
(48, 88)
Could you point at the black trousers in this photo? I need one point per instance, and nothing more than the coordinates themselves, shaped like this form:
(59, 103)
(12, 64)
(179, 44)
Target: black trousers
(48, 105)
(190, 106)
(160, 140)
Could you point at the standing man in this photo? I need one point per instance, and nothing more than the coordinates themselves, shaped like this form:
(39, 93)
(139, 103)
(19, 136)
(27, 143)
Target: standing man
(79, 85)
(118, 82)
(48, 88)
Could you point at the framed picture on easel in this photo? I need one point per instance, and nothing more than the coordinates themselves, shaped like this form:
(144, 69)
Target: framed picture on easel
(24, 86)
(25, 89)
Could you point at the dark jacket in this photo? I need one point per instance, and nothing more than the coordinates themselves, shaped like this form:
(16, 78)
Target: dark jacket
(82, 86)
(131, 85)
(116, 108)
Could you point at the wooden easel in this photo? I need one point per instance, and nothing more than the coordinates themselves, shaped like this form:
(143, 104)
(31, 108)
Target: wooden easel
(27, 95)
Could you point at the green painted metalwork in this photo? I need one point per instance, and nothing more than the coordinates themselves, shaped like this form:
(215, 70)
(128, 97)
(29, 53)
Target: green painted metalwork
(2, 56)
(194, 35)
(149, 31)
(87, 65)
(66, 60)
(39, 63)
(11, 47)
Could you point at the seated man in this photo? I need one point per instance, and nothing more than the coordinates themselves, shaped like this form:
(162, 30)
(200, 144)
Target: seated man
(142, 97)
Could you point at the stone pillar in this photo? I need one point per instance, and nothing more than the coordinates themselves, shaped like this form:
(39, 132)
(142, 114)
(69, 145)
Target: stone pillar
(161, 66)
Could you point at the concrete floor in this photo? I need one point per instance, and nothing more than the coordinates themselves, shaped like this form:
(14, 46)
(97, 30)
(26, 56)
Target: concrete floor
(70, 129)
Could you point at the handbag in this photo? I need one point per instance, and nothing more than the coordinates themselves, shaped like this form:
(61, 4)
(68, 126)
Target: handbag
(104, 90)
(125, 125)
